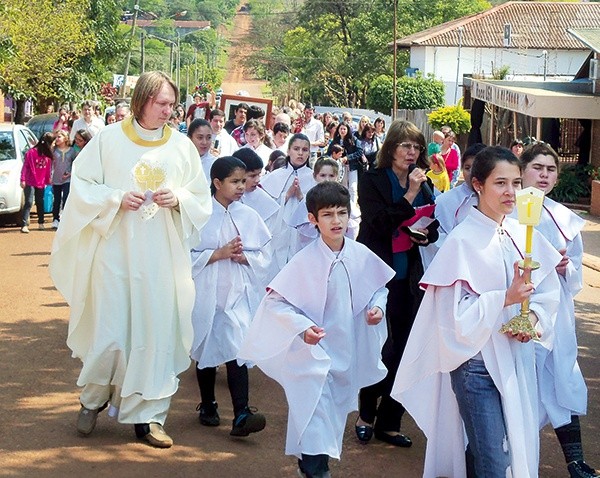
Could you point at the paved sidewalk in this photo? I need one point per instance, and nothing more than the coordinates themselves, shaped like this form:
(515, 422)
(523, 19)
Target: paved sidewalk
(591, 241)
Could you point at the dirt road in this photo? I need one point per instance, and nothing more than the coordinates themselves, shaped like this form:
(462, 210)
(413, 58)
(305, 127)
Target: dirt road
(40, 400)
(236, 77)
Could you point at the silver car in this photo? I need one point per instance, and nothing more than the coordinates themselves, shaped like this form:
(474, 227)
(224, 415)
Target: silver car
(15, 141)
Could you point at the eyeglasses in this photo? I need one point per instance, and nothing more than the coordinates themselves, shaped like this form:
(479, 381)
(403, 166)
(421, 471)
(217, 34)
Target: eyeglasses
(409, 146)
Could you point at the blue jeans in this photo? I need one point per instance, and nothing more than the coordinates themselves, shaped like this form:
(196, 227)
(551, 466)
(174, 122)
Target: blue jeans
(32, 193)
(480, 407)
(60, 191)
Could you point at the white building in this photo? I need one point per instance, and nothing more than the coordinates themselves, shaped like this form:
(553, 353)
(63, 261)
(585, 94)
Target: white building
(530, 38)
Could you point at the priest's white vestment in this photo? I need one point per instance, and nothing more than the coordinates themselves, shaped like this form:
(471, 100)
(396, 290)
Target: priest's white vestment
(127, 274)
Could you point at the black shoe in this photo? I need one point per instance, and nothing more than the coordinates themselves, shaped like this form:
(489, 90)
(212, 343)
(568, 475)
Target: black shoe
(247, 422)
(208, 415)
(364, 433)
(396, 440)
(580, 469)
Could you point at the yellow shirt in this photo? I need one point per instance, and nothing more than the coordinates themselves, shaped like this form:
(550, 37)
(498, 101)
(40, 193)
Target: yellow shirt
(440, 180)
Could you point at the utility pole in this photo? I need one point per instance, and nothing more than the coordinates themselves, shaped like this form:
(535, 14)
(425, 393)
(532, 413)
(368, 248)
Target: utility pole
(395, 82)
(136, 9)
(143, 54)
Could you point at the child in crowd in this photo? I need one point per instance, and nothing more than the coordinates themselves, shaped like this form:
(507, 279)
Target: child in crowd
(63, 156)
(453, 206)
(226, 265)
(200, 132)
(281, 131)
(517, 147)
(325, 169)
(337, 152)
(277, 159)
(287, 185)
(255, 134)
(437, 169)
(254, 196)
(35, 176)
(468, 386)
(562, 387)
(319, 331)
(82, 137)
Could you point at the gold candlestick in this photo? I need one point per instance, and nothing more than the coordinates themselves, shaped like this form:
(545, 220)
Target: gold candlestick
(529, 209)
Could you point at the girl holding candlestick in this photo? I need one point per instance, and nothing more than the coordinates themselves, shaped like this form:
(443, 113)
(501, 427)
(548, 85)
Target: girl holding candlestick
(563, 393)
(458, 373)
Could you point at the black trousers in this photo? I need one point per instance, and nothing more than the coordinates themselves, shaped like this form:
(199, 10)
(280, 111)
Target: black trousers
(314, 465)
(237, 381)
(400, 315)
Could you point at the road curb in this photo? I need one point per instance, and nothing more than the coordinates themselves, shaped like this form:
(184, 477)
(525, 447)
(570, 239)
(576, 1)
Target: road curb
(591, 261)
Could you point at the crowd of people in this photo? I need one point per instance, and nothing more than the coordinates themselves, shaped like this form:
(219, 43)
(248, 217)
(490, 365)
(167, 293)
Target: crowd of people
(389, 265)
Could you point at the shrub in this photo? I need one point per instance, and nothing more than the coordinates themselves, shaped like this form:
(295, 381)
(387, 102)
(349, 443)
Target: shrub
(455, 116)
(416, 93)
(419, 93)
(573, 183)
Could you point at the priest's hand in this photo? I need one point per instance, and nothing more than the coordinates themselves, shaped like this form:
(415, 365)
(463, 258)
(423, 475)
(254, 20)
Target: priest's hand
(165, 198)
(313, 335)
(561, 268)
(374, 315)
(132, 201)
(519, 289)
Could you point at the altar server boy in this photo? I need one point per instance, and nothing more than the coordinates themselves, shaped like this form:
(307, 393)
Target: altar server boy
(319, 331)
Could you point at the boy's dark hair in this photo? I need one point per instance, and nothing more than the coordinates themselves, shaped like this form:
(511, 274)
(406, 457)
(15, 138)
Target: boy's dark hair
(242, 106)
(336, 148)
(217, 112)
(249, 158)
(281, 127)
(472, 151)
(327, 194)
(254, 112)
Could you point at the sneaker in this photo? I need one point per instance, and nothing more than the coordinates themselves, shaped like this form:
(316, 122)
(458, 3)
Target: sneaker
(580, 469)
(55, 224)
(41, 226)
(25, 230)
(208, 415)
(86, 420)
(247, 422)
(154, 434)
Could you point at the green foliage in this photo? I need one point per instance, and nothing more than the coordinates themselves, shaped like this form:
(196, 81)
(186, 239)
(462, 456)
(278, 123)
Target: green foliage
(42, 47)
(337, 49)
(380, 94)
(455, 116)
(500, 73)
(573, 183)
(419, 93)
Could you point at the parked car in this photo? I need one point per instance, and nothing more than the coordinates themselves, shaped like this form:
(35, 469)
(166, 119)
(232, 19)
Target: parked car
(41, 124)
(15, 141)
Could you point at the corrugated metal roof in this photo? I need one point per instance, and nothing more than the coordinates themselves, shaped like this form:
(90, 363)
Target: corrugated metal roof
(539, 25)
(590, 37)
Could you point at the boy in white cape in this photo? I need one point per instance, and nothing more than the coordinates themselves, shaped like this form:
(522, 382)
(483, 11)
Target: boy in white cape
(319, 331)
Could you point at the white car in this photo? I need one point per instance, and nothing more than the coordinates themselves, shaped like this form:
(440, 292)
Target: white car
(15, 141)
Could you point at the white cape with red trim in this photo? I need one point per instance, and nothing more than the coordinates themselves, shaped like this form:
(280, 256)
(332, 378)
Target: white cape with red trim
(227, 293)
(321, 381)
(563, 391)
(459, 317)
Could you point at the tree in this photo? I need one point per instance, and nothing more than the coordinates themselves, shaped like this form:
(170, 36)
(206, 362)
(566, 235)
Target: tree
(338, 48)
(42, 48)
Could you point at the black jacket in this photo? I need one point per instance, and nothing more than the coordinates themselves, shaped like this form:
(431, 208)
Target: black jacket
(380, 217)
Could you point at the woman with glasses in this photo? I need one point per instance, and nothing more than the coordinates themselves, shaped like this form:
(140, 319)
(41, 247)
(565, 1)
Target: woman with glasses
(388, 195)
